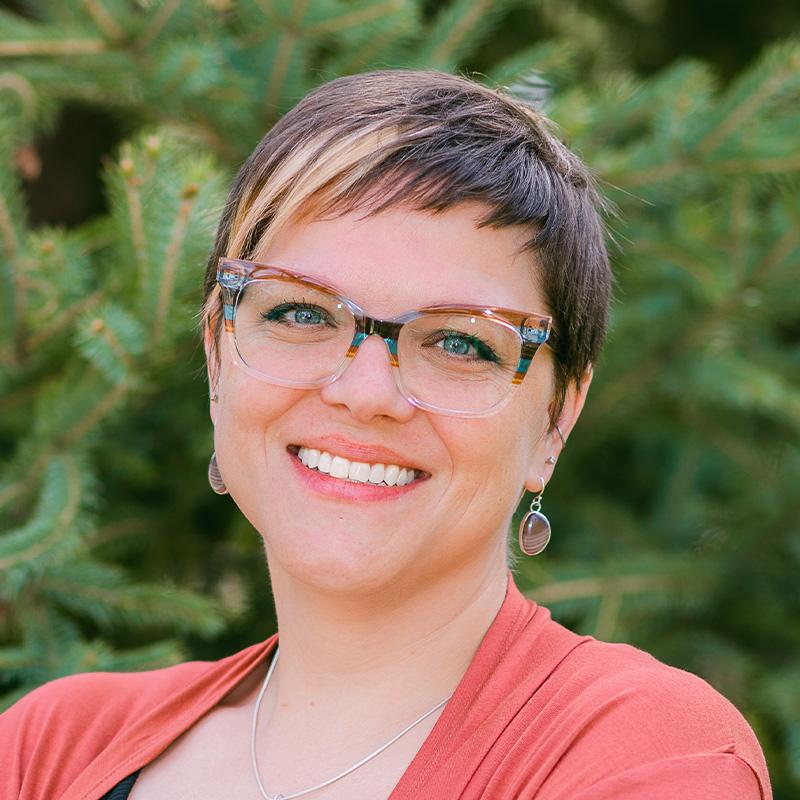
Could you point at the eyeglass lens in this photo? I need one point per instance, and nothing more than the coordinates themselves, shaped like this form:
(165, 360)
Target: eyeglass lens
(299, 335)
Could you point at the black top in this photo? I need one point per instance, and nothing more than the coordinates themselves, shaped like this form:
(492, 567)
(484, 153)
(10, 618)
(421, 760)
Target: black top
(122, 789)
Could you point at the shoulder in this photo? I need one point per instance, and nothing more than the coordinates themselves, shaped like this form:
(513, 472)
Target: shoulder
(630, 711)
(632, 686)
(627, 677)
(594, 711)
(88, 695)
(56, 729)
(68, 727)
(609, 695)
(609, 684)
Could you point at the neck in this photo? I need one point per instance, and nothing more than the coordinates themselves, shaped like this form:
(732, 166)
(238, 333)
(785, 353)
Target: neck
(330, 644)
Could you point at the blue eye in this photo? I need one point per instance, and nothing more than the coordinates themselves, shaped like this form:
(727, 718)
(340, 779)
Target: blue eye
(298, 314)
(307, 316)
(459, 344)
(456, 344)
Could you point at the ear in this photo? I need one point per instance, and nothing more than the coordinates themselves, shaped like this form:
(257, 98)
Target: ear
(552, 444)
(211, 348)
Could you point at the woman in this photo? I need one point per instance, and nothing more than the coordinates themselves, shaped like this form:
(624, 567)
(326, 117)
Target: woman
(408, 290)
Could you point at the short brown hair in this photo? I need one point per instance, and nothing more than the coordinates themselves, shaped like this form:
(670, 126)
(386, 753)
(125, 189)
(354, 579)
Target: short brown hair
(430, 140)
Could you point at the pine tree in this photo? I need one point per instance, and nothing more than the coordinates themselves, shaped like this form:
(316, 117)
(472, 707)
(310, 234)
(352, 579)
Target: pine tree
(673, 506)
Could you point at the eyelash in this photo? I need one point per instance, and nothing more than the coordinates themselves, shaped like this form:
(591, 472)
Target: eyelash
(276, 312)
(483, 349)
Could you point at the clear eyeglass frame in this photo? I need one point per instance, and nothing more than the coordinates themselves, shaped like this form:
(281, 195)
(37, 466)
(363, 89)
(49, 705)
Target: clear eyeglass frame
(532, 329)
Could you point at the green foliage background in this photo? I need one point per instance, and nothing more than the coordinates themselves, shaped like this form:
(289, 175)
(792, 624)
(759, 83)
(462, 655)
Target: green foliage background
(675, 504)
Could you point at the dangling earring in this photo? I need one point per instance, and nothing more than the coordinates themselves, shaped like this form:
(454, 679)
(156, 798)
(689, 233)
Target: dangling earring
(215, 476)
(534, 529)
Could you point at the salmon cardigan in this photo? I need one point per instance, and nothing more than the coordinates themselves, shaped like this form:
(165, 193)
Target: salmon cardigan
(540, 713)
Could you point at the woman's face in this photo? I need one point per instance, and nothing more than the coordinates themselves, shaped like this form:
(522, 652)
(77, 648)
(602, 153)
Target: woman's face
(456, 518)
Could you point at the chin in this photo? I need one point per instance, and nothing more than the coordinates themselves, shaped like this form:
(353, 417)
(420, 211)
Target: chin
(345, 569)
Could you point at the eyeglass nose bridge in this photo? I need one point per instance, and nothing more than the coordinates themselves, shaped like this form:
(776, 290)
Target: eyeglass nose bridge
(388, 331)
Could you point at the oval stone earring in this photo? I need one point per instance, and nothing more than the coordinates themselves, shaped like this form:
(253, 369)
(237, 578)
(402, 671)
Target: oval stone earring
(215, 476)
(534, 529)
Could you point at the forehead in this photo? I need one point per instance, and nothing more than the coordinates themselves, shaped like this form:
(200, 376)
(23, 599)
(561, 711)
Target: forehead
(402, 259)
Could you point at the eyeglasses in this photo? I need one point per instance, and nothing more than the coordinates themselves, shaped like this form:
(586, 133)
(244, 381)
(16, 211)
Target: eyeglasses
(292, 330)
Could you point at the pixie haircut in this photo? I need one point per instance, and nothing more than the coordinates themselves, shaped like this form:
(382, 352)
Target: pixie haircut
(428, 141)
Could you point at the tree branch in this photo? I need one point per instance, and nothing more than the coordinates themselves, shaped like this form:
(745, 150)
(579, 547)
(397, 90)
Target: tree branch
(67, 316)
(587, 588)
(283, 54)
(171, 261)
(23, 87)
(737, 117)
(64, 519)
(459, 31)
(158, 23)
(135, 216)
(104, 20)
(353, 18)
(59, 47)
(19, 297)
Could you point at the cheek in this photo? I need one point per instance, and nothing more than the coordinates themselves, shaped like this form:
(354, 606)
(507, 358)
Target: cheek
(245, 404)
(248, 418)
(488, 455)
(508, 438)
(493, 456)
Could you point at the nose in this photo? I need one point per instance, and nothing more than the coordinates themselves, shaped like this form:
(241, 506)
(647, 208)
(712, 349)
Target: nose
(368, 387)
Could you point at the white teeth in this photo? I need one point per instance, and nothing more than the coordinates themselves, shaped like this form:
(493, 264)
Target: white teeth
(391, 474)
(340, 467)
(359, 471)
(376, 473)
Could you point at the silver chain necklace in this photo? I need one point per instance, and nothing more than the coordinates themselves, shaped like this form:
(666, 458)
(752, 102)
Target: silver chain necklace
(328, 782)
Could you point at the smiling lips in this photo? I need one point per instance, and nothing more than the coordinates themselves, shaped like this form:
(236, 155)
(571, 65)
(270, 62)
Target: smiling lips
(356, 471)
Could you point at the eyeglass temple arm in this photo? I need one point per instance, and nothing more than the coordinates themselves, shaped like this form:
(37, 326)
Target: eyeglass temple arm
(230, 284)
(532, 339)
